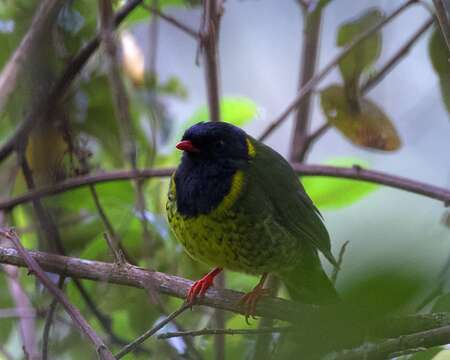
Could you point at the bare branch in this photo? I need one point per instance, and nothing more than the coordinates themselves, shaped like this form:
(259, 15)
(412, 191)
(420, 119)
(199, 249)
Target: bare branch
(59, 89)
(339, 262)
(395, 59)
(383, 349)
(373, 176)
(74, 313)
(311, 84)
(212, 12)
(259, 331)
(11, 71)
(379, 76)
(163, 283)
(49, 321)
(24, 309)
(186, 29)
(151, 332)
(311, 39)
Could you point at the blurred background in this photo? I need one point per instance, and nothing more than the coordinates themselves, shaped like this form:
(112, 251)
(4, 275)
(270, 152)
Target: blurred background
(396, 239)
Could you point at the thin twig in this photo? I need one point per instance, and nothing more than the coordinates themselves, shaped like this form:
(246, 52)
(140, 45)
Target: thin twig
(49, 321)
(396, 58)
(131, 346)
(122, 107)
(378, 177)
(176, 286)
(338, 268)
(383, 349)
(264, 342)
(310, 85)
(60, 87)
(74, 313)
(153, 39)
(266, 330)
(378, 77)
(119, 94)
(110, 236)
(12, 69)
(171, 20)
(24, 309)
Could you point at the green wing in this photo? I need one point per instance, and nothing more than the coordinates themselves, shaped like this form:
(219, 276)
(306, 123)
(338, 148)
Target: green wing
(296, 210)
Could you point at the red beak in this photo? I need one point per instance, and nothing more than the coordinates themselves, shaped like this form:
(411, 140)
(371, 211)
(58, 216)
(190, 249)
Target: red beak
(186, 145)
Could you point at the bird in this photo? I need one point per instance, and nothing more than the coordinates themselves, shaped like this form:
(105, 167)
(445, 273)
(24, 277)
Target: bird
(235, 203)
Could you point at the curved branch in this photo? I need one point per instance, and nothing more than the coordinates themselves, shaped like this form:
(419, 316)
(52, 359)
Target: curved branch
(61, 86)
(356, 173)
(383, 349)
(309, 86)
(163, 283)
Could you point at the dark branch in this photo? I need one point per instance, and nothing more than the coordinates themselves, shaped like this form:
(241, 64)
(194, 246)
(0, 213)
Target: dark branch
(259, 331)
(133, 345)
(382, 350)
(59, 89)
(74, 313)
(379, 76)
(186, 29)
(310, 51)
(378, 177)
(311, 84)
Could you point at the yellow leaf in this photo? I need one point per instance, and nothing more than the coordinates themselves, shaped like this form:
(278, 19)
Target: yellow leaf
(368, 126)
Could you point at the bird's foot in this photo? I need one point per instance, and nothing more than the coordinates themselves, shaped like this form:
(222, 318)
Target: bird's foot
(199, 288)
(249, 301)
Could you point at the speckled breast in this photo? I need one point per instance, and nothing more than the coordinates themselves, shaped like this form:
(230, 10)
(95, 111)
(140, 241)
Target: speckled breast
(228, 238)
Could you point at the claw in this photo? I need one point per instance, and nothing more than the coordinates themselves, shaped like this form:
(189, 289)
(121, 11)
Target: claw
(249, 300)
(199, 288)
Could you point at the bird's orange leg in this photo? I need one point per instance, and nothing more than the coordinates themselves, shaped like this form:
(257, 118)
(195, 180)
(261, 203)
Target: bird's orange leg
(200, 286)
(250, 299)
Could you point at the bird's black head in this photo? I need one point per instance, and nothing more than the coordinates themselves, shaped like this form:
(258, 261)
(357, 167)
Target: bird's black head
(213, 153)
(217, 141)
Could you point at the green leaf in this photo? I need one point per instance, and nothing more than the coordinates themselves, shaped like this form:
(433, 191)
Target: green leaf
(329, 193)
(439, 55)
(234, 110)
(363, 55)
(367, 126)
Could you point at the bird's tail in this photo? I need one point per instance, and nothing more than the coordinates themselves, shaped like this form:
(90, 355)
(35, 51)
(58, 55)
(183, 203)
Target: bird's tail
(309, 284)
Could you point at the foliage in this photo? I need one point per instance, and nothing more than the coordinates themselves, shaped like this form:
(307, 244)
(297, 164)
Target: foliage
(82, 136)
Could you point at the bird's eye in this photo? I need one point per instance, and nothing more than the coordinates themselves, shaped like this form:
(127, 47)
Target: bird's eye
(220, 144)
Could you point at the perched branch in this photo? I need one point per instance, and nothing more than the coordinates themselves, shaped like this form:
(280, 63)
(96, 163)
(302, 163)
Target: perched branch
(259, 331)
(377, 177)
(74, 313)
(311, 84)
(163, 283)
(59, 89)
(151, 332)
(11, 71)
(382, 350)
